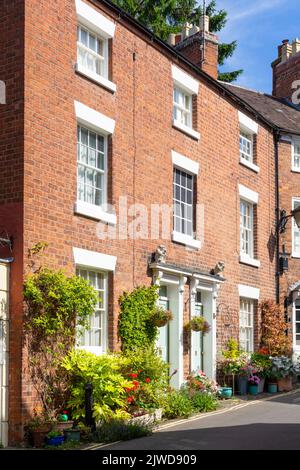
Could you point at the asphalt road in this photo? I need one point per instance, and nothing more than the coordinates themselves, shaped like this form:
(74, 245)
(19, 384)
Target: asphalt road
(266, 425)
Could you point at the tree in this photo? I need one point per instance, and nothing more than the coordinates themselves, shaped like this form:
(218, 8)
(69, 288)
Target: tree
(168, 16)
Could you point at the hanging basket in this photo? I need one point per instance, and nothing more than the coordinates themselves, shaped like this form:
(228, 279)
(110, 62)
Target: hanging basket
(199, 324)
(161, 317)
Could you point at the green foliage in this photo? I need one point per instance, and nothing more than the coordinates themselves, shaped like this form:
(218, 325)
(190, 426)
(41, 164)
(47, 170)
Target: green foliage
(204, 402)
(177, 404)
(136, 328)
(262, 362)
(149, 375)
(163, 17)
(232, 349)
(55, 304)
(104, 372)
(120, 430)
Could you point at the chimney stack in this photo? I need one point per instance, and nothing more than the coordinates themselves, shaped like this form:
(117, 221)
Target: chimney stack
(286, 69)
(198, 45)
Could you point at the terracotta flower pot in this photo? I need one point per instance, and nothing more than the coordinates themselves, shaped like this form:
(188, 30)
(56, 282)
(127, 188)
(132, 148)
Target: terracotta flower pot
(285, 384)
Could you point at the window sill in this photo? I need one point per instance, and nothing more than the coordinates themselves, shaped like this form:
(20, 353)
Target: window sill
(296, 255)
(249, 165)
(244, 259)
(186, 240)
(96, 78)
(295, 170)
(97, 350)
(187, 130)
(95, 212)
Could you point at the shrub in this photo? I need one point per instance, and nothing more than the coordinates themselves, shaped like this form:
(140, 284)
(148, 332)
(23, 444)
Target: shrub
(104, 372)
(177, 404)
(149, 376)
(199, 382)
(55, 304)
(136, 328)
(120, 430)
(204, 402)
(274, 328)
(261, 362)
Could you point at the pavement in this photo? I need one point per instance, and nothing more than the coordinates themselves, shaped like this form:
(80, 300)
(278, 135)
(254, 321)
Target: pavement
(271, 423)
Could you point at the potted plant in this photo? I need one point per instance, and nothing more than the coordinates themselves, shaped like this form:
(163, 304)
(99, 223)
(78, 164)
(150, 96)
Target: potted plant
(261, 362)
(253, 382)
(38, 428)
(54, 438)
(72, 434)
(199, 324)
(161, 317)
(284, 367)
(63, 421)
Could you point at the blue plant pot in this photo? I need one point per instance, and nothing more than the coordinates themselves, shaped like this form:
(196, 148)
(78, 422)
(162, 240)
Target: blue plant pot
(253, 389)
(55, 441)
(272, 388)
(242, 383)
(226, 392)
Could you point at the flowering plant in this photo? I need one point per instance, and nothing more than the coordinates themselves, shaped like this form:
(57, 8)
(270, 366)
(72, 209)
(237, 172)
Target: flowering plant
(199, 382)
(139, 393)
(253, 380)
(282, 366)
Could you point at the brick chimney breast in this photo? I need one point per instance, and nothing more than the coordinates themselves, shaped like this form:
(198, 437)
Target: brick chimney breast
(199, 46)
(286, 69)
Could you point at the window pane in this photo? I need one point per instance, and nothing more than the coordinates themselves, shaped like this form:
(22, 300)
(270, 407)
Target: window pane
(94, 336)
(183, 202)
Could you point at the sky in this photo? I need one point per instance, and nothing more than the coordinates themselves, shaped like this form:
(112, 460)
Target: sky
(259, 26)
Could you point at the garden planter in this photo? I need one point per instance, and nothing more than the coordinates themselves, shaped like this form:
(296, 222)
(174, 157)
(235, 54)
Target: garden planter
(55, 441)
(72, 435)
(226, 392)
(261, 385)
(148, 418)
(285, 384)
(61, 425)
(253, 389)
(38, 435)
(242, 383)
(272, 388)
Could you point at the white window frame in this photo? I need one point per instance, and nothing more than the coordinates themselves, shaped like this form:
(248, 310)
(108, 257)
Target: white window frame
(104, 126)
(187, 85)
(250, 326)
(95, 261)
(251, 198)
(104, 29)
(295, 142)
(295, 254)
(296, 299)
(248, 129)
(83, 203)
(98, 350)
(185, 165)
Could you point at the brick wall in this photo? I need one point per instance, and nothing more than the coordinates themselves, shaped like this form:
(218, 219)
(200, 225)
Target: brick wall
(286, 70)
(11, 186)
(140, 163)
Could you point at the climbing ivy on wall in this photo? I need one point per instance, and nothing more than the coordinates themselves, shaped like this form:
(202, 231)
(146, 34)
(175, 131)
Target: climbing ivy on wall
(136, 328)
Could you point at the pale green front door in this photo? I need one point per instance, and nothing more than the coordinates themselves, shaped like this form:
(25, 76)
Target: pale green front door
(163, 332)
(197, 338)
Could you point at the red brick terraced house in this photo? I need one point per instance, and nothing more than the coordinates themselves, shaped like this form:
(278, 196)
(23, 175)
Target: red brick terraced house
(128, 157)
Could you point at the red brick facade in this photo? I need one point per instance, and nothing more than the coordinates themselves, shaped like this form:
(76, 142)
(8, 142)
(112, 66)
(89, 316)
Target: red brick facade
(39, 168)
(286, 71)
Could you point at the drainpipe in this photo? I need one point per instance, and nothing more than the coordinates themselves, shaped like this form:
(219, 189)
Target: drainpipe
(277, 210)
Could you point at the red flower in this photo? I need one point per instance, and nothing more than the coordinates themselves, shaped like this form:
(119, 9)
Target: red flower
(134, 376)
(127, 389)
(129, 399)
(140, 371)
(147, 380)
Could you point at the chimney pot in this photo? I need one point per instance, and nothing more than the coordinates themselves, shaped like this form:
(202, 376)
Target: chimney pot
(204, 22)
(172, 39)
(285, 41)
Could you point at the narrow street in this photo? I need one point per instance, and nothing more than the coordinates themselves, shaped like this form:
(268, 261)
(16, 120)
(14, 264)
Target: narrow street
(263, 425)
